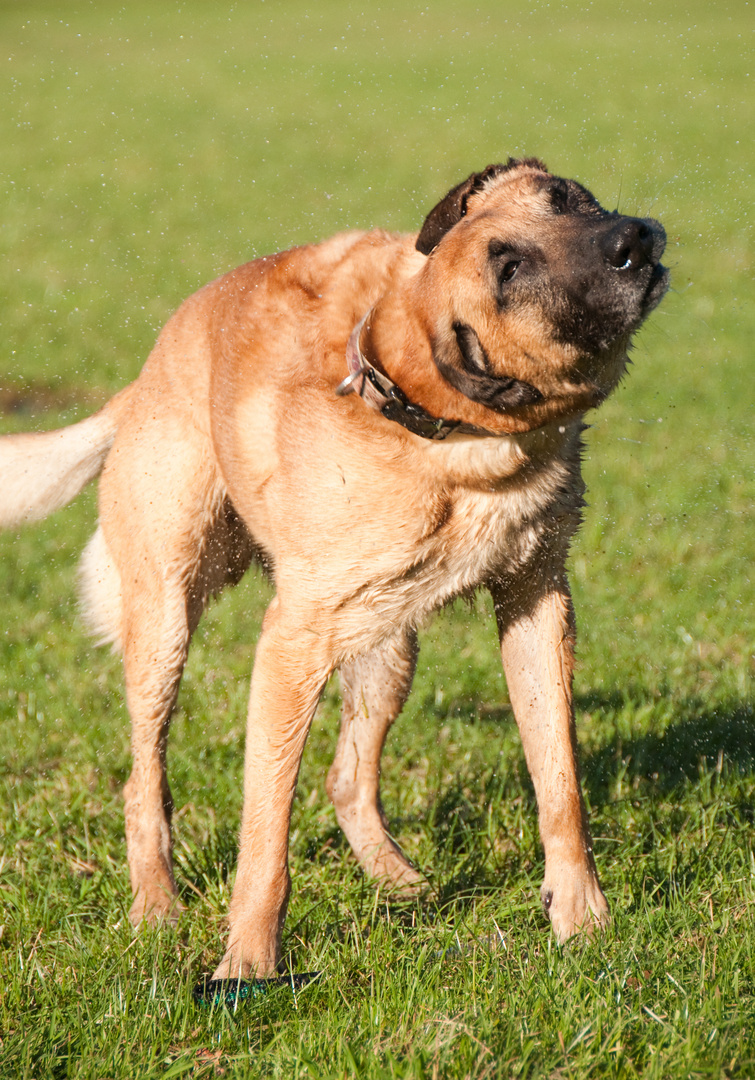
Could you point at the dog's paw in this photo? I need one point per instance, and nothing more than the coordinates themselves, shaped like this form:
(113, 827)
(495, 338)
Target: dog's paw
(155, 907)
(575, 904)
(392, 871)
(234, 966)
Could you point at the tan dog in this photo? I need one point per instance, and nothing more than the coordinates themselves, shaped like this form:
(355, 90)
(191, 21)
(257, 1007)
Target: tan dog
(387, 422)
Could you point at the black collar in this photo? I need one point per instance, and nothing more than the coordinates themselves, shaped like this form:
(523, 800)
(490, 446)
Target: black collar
(377, 390)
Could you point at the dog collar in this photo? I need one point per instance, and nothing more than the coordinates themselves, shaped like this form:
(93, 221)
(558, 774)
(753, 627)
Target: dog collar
(380, 393)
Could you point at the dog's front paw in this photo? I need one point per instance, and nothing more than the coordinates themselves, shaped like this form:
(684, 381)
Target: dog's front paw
(574, 903)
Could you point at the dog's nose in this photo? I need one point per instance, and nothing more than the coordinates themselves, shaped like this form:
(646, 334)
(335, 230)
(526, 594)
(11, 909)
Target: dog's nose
(629, 244)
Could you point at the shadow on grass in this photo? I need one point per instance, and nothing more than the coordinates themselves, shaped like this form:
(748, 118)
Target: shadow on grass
(698, 740)
(208, 863)
(700, 736)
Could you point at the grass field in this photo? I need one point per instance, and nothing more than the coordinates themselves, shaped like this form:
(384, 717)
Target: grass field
(146, 149)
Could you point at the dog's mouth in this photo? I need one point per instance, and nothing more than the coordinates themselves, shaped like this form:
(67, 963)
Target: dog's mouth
(477, 378)
(656, 289)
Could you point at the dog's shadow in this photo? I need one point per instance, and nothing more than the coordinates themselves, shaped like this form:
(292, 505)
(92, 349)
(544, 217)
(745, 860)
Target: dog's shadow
(700, 739)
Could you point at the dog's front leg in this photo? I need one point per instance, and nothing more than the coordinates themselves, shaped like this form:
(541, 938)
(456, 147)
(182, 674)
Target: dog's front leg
(536, 626)
(290, 670)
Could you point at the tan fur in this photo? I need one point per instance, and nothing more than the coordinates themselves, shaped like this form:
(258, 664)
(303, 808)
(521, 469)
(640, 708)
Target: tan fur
(100, 590)
(42, 472)
(232, 445)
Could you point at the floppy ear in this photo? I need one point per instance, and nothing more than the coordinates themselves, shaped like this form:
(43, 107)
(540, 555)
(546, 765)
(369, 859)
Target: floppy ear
(452, 209)
(444, 216)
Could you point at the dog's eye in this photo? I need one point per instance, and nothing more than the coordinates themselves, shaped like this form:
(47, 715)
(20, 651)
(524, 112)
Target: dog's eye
(509, 269)
(506, 260)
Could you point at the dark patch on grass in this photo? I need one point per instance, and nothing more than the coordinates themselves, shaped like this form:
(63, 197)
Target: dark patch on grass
(208, 862)
(700, 737)
(320, 846)
(472, 880)
(33, 398)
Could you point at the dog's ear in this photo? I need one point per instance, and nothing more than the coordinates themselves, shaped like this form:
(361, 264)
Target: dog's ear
(452, 209)
(475, 377)
(444, 216)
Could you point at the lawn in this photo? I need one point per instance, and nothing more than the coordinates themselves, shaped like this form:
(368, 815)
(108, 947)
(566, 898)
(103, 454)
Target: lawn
(146, 149)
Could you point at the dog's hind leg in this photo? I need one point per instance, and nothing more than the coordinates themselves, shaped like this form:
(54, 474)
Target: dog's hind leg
(155, 648)
(158, 511)
(291, 665)
(374, 689)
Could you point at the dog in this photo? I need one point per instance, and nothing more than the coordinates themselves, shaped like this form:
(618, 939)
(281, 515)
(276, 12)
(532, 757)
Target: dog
(386, 422)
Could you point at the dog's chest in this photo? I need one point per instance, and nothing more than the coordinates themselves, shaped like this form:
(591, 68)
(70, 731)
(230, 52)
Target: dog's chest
(484, 533)
(471, 536)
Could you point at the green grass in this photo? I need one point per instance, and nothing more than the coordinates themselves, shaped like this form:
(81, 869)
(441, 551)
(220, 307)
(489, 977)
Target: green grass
(148, 149)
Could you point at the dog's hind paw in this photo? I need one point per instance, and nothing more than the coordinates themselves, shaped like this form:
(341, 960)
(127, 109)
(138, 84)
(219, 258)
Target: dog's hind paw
(155, 908)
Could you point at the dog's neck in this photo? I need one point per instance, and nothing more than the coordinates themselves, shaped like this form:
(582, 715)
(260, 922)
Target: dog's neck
(378, 391)
(396, 340)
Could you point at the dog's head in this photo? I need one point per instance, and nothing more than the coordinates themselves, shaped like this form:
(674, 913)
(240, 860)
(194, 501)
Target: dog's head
(530, 294)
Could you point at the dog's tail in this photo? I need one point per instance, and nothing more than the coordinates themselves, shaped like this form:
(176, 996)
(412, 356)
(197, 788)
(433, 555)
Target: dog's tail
(42, 471)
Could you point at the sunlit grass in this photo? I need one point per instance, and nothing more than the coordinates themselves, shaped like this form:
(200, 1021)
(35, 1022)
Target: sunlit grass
(146, 149)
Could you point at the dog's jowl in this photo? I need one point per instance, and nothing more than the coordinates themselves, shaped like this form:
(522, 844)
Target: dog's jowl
(387, 421)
